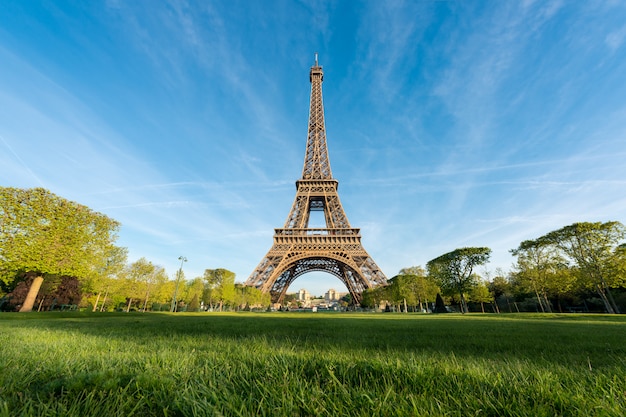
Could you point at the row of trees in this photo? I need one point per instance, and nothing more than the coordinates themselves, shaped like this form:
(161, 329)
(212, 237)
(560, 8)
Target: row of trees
(143, 286)
(451, 274)
(582, 256)
(56, 252)
(569, 264)
(68, 251)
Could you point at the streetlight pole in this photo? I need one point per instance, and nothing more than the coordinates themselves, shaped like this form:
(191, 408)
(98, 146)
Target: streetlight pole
(174, 307)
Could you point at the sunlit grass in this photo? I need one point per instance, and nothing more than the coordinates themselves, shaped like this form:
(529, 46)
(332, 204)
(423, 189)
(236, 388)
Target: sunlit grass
(311, 364)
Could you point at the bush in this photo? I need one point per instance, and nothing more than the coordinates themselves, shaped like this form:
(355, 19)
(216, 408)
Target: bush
(194, 305)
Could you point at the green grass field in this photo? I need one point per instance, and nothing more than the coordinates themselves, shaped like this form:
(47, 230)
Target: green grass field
(307, 364)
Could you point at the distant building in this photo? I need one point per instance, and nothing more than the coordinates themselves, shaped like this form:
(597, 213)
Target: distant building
(331, 296)
(304, 299)
(303, 296)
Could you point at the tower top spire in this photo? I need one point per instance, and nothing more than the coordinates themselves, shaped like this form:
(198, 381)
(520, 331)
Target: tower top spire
(316, 69)
(316, 163)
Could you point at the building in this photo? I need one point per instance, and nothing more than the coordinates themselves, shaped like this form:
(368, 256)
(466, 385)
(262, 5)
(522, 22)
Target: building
(303, 296)
(332, 296)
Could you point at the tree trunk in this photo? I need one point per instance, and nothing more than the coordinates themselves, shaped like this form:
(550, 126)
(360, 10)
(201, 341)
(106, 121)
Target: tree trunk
(145, 304)
(464, 308)
(606, 295)
(605, 300)
(32, 295)
(104, 301)
(460, 290)
(545, 299)
(611, 300)
(130, 300)
(95, 305)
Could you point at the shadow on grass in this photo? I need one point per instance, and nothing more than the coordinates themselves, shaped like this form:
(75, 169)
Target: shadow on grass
(560, 339)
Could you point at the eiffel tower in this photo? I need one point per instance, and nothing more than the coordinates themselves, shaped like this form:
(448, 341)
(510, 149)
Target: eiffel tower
(299, 249)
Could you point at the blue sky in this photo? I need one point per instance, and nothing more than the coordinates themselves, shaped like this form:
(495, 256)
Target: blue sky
(449, 123)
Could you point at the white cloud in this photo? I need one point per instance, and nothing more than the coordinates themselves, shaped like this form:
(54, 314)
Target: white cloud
(452, 124)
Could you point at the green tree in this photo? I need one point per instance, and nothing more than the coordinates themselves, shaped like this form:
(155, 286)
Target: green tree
(413, 270)
(500, 287)
(440, 305)
(413, 287)
(480, 293)
(135, 281)
(397, 291)
(620, 264)
(193, 288)
(98, 284)
(372, 297)
(454, 271)
(254, 297)
(538, 265)
(221, 283)
(594, 249)
(115, 291)
(194, 304)
(162, 287)
(49, 235)
(144, 276)
(241, 297)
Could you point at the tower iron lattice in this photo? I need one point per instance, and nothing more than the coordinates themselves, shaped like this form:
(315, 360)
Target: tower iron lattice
(297, 248)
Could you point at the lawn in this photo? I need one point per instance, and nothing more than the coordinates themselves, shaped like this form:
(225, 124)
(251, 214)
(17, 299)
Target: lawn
(311, 364)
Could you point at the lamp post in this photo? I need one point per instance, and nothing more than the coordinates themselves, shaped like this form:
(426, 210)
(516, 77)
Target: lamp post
(174, 307)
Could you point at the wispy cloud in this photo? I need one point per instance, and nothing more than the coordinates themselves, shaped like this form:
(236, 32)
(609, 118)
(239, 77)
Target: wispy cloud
(450, 123)
(615, 39)
(20, 161)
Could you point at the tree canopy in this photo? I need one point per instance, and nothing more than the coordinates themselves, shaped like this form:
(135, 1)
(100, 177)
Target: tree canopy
(454, 270)
(595, 249)
(221, 286)
(541, 269)
(413, 287)
(43, 233)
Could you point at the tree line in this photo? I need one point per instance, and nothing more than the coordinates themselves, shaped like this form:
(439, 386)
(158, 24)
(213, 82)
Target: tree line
(57, 254)
(580, 267)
